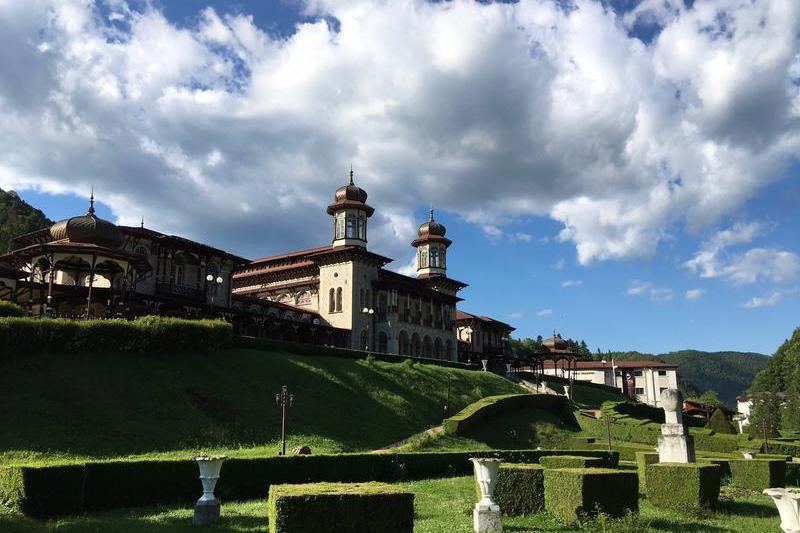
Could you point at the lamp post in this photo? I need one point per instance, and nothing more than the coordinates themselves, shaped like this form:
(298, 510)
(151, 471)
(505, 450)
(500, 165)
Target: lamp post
(367, 312)
(284, 400)
(215, 283)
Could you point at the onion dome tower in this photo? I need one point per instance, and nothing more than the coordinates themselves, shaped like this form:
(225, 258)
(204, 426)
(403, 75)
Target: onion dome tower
(87, 229)
(431, 245)
(350, 213)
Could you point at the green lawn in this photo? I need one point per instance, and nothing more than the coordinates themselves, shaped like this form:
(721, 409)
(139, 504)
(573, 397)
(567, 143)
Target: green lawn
(81, 406)
(443, 506)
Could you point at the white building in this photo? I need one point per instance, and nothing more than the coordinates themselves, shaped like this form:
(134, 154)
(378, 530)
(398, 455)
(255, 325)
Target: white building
(642, 380)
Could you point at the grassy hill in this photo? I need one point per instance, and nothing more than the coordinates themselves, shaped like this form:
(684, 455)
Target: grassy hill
(16, 218)
(728, 373)
(97, 405)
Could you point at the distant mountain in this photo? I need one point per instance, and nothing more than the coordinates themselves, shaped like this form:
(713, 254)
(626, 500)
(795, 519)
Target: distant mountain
(16, 218)
(728, 373)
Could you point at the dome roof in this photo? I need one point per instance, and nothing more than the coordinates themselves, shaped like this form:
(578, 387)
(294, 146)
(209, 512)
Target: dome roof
(88, 229)
(431, 228)
(351, 192)
(556, 343)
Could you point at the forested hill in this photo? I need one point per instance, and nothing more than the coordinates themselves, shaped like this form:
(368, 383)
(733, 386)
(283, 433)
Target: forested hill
(17, 217)
(728, 373)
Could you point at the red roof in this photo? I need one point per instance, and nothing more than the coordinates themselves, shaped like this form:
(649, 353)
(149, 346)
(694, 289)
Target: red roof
(463, 315)
(599, 365)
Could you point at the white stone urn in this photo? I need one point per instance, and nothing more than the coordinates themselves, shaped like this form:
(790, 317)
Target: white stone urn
(209, 475)
(486, 516)
(484, 364)
(749, 455)
(508, 368)
(788, 503)
(486, 470)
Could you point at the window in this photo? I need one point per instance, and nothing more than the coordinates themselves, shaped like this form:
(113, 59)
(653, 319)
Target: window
(383, 342)
(339, 226)
(662, 389)
(442, 255)
(362, 227)
(352, 231)
(141, 250)
(363, 300)
(639, 391)
(177, 273)
(339, 299)
(364, 340)
(662, 372)
(637, 373)
(332, 301)
(423, 257)
(435, 256)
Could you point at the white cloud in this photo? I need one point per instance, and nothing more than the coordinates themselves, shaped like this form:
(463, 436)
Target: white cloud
(770, 299)
(646, 288)
(756, 264)
(694, 294)
(516, 315)
(559, 265)
(545, 312)
(572, 283)
(491, 110)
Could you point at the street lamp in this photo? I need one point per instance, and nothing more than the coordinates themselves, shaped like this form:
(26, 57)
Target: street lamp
(215, 283)
(284, 400)
(367, 312)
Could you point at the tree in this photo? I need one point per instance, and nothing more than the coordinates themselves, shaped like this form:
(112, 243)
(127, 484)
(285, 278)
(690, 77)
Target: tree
(765, 415)
(719, 423)
(709, 397)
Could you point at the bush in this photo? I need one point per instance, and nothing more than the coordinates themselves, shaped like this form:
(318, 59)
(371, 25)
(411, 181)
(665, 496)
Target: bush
(469, 417)
(354, 508)
(570, 493)
(38, 491)
(519, 489)
(758, 474)
(643, 459)
(685, 487)
(722, 462)
(719, 423)
(571, 461)
(793, 474)
(145, 334)
(705, 439)
(10, 309)
(783, 448)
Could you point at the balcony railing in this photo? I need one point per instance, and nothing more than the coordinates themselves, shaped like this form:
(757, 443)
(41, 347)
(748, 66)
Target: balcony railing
(180, 290)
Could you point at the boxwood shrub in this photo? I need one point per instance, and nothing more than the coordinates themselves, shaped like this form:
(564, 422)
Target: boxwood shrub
(354, 508)
(722, 462)
(793, 474)
(758, 474)
(8, 309)
(570, 493)
(38, 491)
(685, 487)
(571, 461)
(519, 489)
(145, 334)
(473, 414)
(642, 460)
(783, 448)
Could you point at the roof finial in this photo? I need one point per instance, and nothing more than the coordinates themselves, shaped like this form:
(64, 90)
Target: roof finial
(431, 218)
(351, 173)
(90, 212)
(142, 222)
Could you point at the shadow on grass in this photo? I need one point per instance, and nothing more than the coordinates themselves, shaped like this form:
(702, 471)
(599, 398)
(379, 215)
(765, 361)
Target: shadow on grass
(751, 509)
(659, 524)
(130, 523)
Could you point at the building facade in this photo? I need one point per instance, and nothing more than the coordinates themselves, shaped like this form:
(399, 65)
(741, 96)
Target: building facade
(640, 380)
(482, 337)
(349, 288)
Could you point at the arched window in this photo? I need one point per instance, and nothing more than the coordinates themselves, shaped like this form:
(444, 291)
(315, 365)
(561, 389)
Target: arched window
(434, 256)
(339, 299)
(448, 349)
(443, 257)
(331, 300)
(437, 348)
(427, 347)
(141, 250)
(416, 345)
(383, 342)
(362, 227)
(423, 257)
(364, 340)
(404, 346)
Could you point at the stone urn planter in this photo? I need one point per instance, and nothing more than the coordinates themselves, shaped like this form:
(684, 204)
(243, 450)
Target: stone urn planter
(206, 510)
(749, 455)
(788, 503)
(486, 516)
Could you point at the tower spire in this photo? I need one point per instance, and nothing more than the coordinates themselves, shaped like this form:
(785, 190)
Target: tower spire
(431, 217)
(90, 211)
(351, 174)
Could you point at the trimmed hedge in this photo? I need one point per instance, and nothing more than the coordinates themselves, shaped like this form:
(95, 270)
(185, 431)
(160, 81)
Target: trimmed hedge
(519, 489)
(145, 334)
(793, 474)
(10, 309)
(722, 462)
(326, 507)
(720, 424)
(643, 459)
(473, 414)
(299, 348)
(572, 461)
(758, 474)
(38, 490)
(685, 487)
(570, 493)
(783, 448)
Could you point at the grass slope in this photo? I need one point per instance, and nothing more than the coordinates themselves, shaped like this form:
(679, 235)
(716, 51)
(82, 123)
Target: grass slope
(442, 506)
(99, 405)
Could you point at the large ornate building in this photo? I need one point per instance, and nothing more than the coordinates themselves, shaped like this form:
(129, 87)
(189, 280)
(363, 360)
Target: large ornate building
(338, 294)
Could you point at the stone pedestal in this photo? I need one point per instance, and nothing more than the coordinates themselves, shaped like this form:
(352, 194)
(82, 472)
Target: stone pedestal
(206, 512)
(788, 503)
(487, 519)
(675, 445)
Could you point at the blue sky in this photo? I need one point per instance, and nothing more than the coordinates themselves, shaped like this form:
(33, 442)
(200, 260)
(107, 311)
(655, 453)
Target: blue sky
(620, 172)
